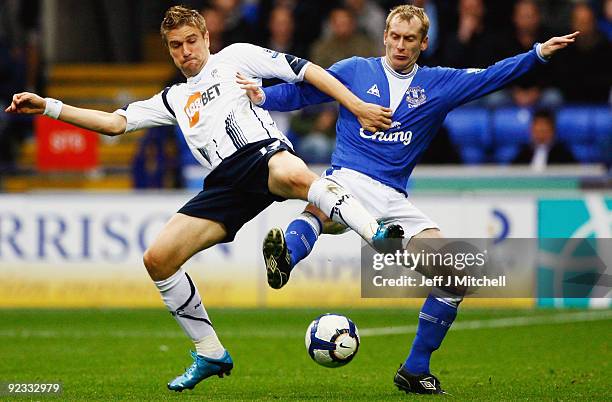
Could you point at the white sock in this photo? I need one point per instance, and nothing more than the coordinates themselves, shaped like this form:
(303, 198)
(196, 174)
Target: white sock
(331, 198)
(312, 221)
(210, 346)
(185, 304)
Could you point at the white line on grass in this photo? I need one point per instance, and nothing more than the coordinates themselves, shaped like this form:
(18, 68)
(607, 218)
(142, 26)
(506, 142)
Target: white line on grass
(520, 321)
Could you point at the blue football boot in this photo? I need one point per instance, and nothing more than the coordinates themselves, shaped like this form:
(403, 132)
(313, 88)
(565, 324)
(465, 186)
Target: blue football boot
(202, 368)
(388, 239)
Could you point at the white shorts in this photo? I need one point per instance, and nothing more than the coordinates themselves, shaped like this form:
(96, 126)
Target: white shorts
(386, 204)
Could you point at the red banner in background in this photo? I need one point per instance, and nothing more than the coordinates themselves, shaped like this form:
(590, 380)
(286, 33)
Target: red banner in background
(61, 146)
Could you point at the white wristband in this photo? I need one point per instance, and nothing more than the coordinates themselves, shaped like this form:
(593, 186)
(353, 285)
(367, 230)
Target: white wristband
(538, 49)
(53, 108)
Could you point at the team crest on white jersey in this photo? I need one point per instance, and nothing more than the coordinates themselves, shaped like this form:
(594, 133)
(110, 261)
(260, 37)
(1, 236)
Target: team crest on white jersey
(415, 96)
(374, 90)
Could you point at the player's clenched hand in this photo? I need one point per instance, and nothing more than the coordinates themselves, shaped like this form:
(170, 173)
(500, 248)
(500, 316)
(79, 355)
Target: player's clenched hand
(253, 91)
(373, 117)
(556, 43)
(26, 103)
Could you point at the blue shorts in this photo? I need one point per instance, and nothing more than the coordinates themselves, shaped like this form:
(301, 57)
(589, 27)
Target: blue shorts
(236, 191)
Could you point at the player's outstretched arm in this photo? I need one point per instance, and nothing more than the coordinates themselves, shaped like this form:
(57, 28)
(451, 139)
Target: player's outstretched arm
(556, 43)
(102, 122)
(466, 85)
(285, 97)
(371, 117)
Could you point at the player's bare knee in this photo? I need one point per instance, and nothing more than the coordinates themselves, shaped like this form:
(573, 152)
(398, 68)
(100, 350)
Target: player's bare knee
(149, 260)
(300, 180)
(154, 262)
(294, 183)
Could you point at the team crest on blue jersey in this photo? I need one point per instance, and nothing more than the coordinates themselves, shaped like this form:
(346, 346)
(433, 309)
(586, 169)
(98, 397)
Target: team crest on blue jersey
(415, 96)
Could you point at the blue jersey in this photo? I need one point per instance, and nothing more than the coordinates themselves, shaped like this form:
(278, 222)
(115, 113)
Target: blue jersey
(390, 156)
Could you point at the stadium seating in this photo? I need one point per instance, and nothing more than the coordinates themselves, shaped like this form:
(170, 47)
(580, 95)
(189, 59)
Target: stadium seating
(97, 86)
(584, 129)
(602, 126)
(510, 132)
(106, 86)
(496, 135)
(469, 129)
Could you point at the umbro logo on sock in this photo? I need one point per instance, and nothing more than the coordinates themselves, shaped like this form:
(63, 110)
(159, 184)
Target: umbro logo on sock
(374, 90)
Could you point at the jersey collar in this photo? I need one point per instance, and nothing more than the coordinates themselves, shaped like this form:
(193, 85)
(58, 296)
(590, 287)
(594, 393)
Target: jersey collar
(387, 67)
(198, 77)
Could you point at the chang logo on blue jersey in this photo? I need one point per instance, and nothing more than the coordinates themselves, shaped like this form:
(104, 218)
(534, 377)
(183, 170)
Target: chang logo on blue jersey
(405, 137)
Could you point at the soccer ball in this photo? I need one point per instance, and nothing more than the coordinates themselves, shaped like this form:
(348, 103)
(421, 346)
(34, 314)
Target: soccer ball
(332, 340)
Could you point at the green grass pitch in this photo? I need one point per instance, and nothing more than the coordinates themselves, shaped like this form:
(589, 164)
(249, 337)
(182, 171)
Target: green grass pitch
(131, 354)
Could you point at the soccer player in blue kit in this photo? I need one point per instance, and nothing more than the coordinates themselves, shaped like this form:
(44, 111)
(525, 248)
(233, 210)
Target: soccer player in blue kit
(375, 166)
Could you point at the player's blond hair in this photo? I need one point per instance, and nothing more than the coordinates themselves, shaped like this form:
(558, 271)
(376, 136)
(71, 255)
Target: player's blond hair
(406, 13)
(178, 16)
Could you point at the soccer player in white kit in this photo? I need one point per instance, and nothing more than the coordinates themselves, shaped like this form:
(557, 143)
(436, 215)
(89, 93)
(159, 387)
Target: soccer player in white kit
(250, 163)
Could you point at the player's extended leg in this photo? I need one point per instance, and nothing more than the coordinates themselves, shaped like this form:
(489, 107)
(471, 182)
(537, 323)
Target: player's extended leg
(180, 239)
(289, 177)
(435, 318)
(303, 232)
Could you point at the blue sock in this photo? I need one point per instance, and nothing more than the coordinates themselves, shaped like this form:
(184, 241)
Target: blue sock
(301, 235)
(435, 318)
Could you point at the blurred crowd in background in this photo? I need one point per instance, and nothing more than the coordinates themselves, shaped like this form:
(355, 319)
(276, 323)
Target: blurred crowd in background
(462, 34)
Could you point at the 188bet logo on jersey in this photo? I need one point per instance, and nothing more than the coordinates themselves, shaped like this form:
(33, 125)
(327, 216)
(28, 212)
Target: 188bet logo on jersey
(198, 100)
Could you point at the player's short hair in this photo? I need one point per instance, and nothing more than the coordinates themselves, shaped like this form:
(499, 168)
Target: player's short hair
(406, 12)
(178, 16)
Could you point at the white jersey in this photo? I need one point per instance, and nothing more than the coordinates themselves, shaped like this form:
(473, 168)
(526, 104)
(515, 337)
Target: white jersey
(214, 113)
